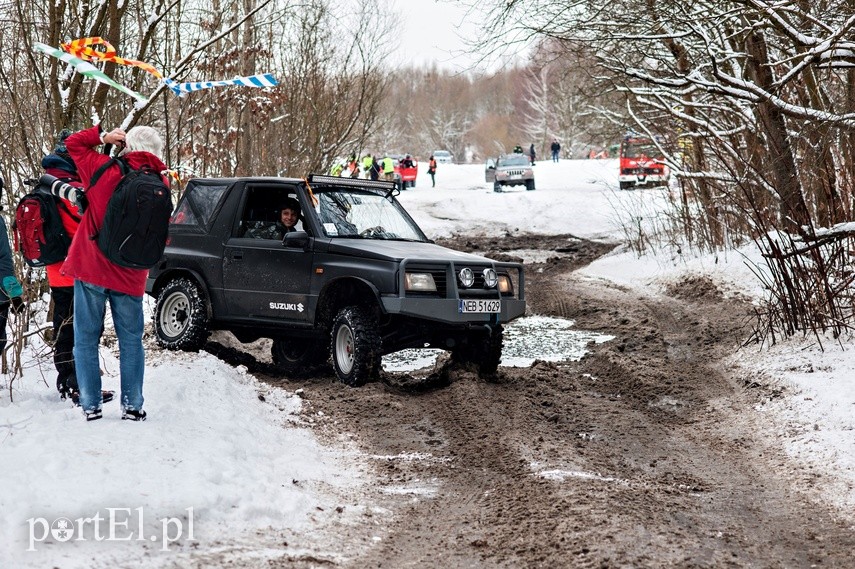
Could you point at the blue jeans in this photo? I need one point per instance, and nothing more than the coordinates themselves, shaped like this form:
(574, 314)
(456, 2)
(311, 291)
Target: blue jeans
(90, 304)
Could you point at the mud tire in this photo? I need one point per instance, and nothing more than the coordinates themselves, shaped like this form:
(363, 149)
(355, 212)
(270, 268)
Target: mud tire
(355, 346)
(181, 316)
(483, 351)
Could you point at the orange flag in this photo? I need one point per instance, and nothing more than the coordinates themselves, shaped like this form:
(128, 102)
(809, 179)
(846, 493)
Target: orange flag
(83, 48)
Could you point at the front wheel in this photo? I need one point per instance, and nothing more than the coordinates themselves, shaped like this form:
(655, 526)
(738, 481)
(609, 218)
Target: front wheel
(529, 185)
(181, 316)
(483, 350)
(497, 187)
(626, 185)
(355, 346)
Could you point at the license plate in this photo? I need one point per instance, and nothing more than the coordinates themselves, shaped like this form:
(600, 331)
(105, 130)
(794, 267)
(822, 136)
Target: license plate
(516, 176)
(479, 306)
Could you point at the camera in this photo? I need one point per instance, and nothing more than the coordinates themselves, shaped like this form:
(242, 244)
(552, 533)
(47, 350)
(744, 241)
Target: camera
(59, 188)
(55, 186)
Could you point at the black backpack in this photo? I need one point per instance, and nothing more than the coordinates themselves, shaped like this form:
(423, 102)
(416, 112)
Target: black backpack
(136, 223)
(39, 234)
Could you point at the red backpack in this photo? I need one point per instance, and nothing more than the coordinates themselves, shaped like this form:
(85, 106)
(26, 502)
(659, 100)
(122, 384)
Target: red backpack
(39, 234)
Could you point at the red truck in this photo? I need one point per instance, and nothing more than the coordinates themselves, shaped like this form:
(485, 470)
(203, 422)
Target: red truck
(641, 163)
(407, 168)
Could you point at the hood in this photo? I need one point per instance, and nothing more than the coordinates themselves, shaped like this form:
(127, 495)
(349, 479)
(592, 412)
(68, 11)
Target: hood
(138, 159)
(400, 250)
(59, 162)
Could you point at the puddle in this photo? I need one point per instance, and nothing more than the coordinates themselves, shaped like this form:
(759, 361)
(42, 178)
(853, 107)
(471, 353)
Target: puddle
(548, 339)
(526, 339)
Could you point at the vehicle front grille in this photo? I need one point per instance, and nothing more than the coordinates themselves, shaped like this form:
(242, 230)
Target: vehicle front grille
(477, 289)
(641, 171)
(440, 278)
(447, 283)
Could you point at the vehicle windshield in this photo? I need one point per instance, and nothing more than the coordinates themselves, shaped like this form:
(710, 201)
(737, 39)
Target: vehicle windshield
(354, 213)
(638, 149)
(514, 160)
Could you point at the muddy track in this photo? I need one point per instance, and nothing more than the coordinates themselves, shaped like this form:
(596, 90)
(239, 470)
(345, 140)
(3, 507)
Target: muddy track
(644, 454)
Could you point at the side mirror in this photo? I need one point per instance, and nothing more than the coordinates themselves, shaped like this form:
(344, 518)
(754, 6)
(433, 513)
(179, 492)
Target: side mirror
(296, 240)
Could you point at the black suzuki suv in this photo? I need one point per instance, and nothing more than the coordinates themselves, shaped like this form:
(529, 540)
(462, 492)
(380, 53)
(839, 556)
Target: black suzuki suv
(356, 281)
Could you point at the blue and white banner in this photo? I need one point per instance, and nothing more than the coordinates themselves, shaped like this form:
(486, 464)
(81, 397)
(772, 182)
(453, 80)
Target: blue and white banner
(261, 80)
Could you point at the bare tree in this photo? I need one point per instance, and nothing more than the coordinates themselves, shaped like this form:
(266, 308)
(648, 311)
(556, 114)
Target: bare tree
(751, 100)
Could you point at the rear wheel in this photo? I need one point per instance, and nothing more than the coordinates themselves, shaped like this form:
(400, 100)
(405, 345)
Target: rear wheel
(298, 357)
(181, 316)
(355, 346)
(483, 350)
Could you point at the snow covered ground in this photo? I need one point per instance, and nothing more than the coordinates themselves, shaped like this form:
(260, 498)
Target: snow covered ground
(223, 457)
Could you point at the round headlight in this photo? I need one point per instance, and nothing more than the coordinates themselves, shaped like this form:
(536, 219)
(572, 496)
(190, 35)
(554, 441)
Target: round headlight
(490, 278)
(466, 277)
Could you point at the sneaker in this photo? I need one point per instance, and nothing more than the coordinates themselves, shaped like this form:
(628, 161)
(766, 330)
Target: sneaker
(133, 415)
(92, 415)
(106, 396)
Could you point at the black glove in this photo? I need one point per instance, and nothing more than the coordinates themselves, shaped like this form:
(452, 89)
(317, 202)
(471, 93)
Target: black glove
(82, 202)
(17, 304)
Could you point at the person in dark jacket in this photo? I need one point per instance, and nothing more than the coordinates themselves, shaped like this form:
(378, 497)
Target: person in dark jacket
(97, 280)
(11, 292)
(555, 148)
(531, 153)
(289, 216)
(60, 165)
(375, 169)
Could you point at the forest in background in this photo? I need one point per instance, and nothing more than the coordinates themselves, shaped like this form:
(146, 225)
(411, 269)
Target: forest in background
(477, 115)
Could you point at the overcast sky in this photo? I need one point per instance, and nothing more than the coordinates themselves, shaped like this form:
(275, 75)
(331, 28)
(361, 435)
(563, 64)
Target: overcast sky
(433, 31)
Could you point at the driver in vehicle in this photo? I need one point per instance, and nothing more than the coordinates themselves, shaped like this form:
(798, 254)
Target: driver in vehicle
(289, 216)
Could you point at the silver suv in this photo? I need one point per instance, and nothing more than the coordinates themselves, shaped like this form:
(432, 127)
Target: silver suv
(510, 170)
(443, 157)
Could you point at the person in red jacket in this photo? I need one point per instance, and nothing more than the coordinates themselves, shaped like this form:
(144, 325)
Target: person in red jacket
(59, 164)
(97, 280)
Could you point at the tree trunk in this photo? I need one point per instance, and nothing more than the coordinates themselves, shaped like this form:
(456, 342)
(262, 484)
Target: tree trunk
(794, 212)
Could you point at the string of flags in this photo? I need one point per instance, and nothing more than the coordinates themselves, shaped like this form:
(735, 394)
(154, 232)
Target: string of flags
(83, 48)
(80, 54)
(261, 80)
(85, 68)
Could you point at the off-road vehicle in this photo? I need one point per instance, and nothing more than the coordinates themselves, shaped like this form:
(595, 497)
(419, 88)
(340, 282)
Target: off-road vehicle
(509, 170)
(356, 281)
